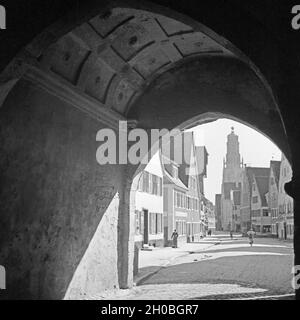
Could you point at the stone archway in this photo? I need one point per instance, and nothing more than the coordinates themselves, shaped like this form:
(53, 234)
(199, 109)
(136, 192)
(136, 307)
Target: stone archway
(145, 64)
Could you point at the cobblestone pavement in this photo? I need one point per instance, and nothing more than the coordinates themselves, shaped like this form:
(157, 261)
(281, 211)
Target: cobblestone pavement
(217, 268)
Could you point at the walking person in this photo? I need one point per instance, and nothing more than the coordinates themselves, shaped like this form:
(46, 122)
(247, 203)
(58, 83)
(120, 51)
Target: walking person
(231, 234)
(174, 237)
(251, 234)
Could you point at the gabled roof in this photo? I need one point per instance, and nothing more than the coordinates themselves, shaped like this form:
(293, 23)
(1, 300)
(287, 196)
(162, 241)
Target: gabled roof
(275, 167)
(263, 188)
(256, 172)
(168, 178)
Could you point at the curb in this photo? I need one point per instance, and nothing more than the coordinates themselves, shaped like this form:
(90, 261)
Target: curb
(138, 281)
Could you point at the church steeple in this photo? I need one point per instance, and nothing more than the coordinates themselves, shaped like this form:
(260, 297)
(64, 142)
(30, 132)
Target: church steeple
(233, 159)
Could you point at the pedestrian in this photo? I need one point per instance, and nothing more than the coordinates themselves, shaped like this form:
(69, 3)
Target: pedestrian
(251, 234)
(231, 234)
(174, 237)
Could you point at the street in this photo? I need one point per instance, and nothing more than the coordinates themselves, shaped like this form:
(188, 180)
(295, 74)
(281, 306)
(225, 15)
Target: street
(216, 268)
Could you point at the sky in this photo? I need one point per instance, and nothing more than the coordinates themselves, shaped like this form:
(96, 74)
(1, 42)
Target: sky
(256, 150)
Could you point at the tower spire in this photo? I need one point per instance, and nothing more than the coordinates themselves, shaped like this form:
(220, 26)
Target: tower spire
(233, 159)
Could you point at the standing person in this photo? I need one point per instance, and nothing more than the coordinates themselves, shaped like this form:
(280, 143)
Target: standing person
(251, 234)
(174, 237)
(231, 234)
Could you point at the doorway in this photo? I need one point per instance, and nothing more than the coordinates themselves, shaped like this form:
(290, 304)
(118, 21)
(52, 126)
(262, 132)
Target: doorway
(146, 226)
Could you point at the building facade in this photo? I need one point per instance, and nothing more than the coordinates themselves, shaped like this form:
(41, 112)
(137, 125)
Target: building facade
(182, 195)
(273, 196)
(209, 212)
(235, 196)
(149, 205)
(260, 215)
(174, 203)
(248, 178)
(218, 212)
(245, 208)
(285, 218)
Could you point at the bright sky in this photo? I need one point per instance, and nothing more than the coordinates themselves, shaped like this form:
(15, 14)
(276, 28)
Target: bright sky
(256, 150)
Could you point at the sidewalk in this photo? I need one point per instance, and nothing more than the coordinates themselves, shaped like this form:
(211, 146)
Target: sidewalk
(150, 262)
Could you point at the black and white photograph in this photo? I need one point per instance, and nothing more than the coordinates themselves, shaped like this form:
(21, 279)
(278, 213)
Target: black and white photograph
(149, 152)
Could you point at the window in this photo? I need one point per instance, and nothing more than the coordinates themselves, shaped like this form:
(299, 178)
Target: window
(255, 199)
(139, 222)
(265, 213)
(146, 181)
(154, 184)
(152, 223)
(180, 199)
(188, 202)
(160, 186)
(266, 229)
(159, 223)
(150, 183)
(181, 227)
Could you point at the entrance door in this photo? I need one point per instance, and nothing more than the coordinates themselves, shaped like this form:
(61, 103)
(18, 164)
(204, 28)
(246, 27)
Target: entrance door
(146, 227)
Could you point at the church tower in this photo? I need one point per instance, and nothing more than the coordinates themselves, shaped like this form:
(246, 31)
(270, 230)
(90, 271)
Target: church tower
(232, 181)
(232, 166)
(233, 155)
